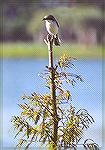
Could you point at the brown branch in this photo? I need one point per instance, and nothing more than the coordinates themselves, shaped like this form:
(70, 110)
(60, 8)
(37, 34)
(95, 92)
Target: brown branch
(49, 43)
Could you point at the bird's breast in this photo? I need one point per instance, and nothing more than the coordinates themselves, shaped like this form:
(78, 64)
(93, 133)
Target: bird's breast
(52, 27)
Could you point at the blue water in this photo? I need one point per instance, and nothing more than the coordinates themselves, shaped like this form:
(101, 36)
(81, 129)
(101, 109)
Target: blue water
(20, 76)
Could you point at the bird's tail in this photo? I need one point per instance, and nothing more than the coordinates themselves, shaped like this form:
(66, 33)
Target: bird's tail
(57, 40)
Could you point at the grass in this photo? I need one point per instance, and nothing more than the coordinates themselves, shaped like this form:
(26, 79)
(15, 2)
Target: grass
(36, 50)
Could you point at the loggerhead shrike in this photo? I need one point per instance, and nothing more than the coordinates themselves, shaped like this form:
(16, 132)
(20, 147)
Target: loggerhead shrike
(52, 27)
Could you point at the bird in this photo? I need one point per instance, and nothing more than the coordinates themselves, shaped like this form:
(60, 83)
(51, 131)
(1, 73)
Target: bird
(52, 27)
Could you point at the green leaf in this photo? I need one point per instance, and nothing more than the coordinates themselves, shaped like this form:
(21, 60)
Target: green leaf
(21, 129)
(68, 95)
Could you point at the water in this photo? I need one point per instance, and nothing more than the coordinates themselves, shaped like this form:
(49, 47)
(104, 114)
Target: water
(20, 76)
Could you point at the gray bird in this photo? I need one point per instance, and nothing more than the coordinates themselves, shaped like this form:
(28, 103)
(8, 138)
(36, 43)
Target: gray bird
(52, 27)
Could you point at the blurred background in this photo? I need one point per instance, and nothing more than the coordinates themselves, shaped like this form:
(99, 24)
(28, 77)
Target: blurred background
(82, 24)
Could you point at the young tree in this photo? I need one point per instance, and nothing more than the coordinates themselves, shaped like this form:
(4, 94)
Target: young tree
(50, 118)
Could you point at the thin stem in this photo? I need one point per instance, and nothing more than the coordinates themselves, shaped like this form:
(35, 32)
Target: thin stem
(53, 92)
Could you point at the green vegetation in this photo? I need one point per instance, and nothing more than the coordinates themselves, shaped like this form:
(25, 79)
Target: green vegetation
(50, 119)
(37, 50)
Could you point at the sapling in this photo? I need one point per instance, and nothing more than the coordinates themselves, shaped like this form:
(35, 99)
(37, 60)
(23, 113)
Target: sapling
(51, 119)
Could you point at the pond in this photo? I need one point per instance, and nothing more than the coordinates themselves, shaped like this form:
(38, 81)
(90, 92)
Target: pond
(20, 76)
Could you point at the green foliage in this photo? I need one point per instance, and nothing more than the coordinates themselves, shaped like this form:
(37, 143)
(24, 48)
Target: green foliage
(37, 50)
(35, 122)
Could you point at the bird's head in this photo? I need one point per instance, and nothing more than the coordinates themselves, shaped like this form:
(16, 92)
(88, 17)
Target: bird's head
(49, 17)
